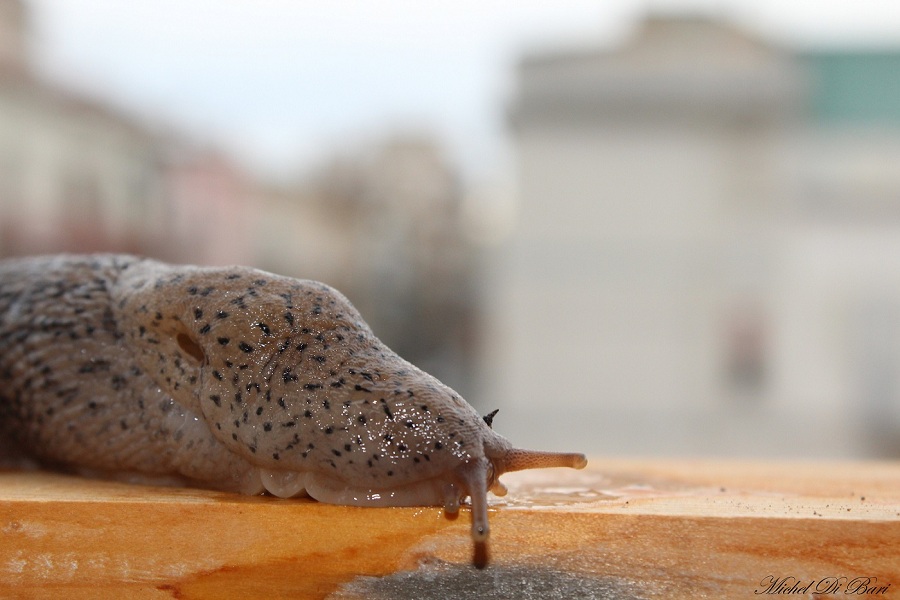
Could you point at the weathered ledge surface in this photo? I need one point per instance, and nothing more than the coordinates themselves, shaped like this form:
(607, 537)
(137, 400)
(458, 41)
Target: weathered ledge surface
(618, 529)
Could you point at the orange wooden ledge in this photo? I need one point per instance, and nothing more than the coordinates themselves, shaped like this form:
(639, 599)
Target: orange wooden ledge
(618, 529)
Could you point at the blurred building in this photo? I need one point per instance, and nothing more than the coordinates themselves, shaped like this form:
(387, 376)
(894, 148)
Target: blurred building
(707, 259)
(385, 224)
(74, 174)
(382, 222)
(214, 209)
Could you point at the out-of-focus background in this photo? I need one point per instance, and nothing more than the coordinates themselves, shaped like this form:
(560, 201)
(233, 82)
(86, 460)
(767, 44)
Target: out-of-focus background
(666, 228)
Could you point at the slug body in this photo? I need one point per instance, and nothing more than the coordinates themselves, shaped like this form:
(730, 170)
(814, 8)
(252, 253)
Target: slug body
(235, 379)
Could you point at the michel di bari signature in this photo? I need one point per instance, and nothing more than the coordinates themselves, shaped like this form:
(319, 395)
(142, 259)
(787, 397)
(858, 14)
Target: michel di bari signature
(851, 586)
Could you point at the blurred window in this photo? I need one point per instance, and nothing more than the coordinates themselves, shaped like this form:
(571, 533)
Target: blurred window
(745, 347)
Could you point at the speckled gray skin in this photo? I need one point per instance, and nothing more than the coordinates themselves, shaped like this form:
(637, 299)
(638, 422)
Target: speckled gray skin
(231, 378)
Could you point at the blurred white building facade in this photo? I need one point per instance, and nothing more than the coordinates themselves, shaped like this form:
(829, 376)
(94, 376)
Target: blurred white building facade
(707, 259)
(73, 172)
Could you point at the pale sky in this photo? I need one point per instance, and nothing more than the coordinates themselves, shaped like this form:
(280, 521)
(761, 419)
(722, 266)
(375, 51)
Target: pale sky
(281, 83)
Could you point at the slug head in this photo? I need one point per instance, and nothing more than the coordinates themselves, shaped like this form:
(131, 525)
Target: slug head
(289, 377)
(501, 457)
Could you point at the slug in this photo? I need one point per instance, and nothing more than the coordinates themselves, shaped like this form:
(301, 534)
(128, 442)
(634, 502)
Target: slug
(233, 379)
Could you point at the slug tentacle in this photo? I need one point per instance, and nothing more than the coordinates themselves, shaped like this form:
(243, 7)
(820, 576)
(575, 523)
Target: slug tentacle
(235, 379)
(518, 459)
(451, 499)
(498, 489)
(475, 475)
